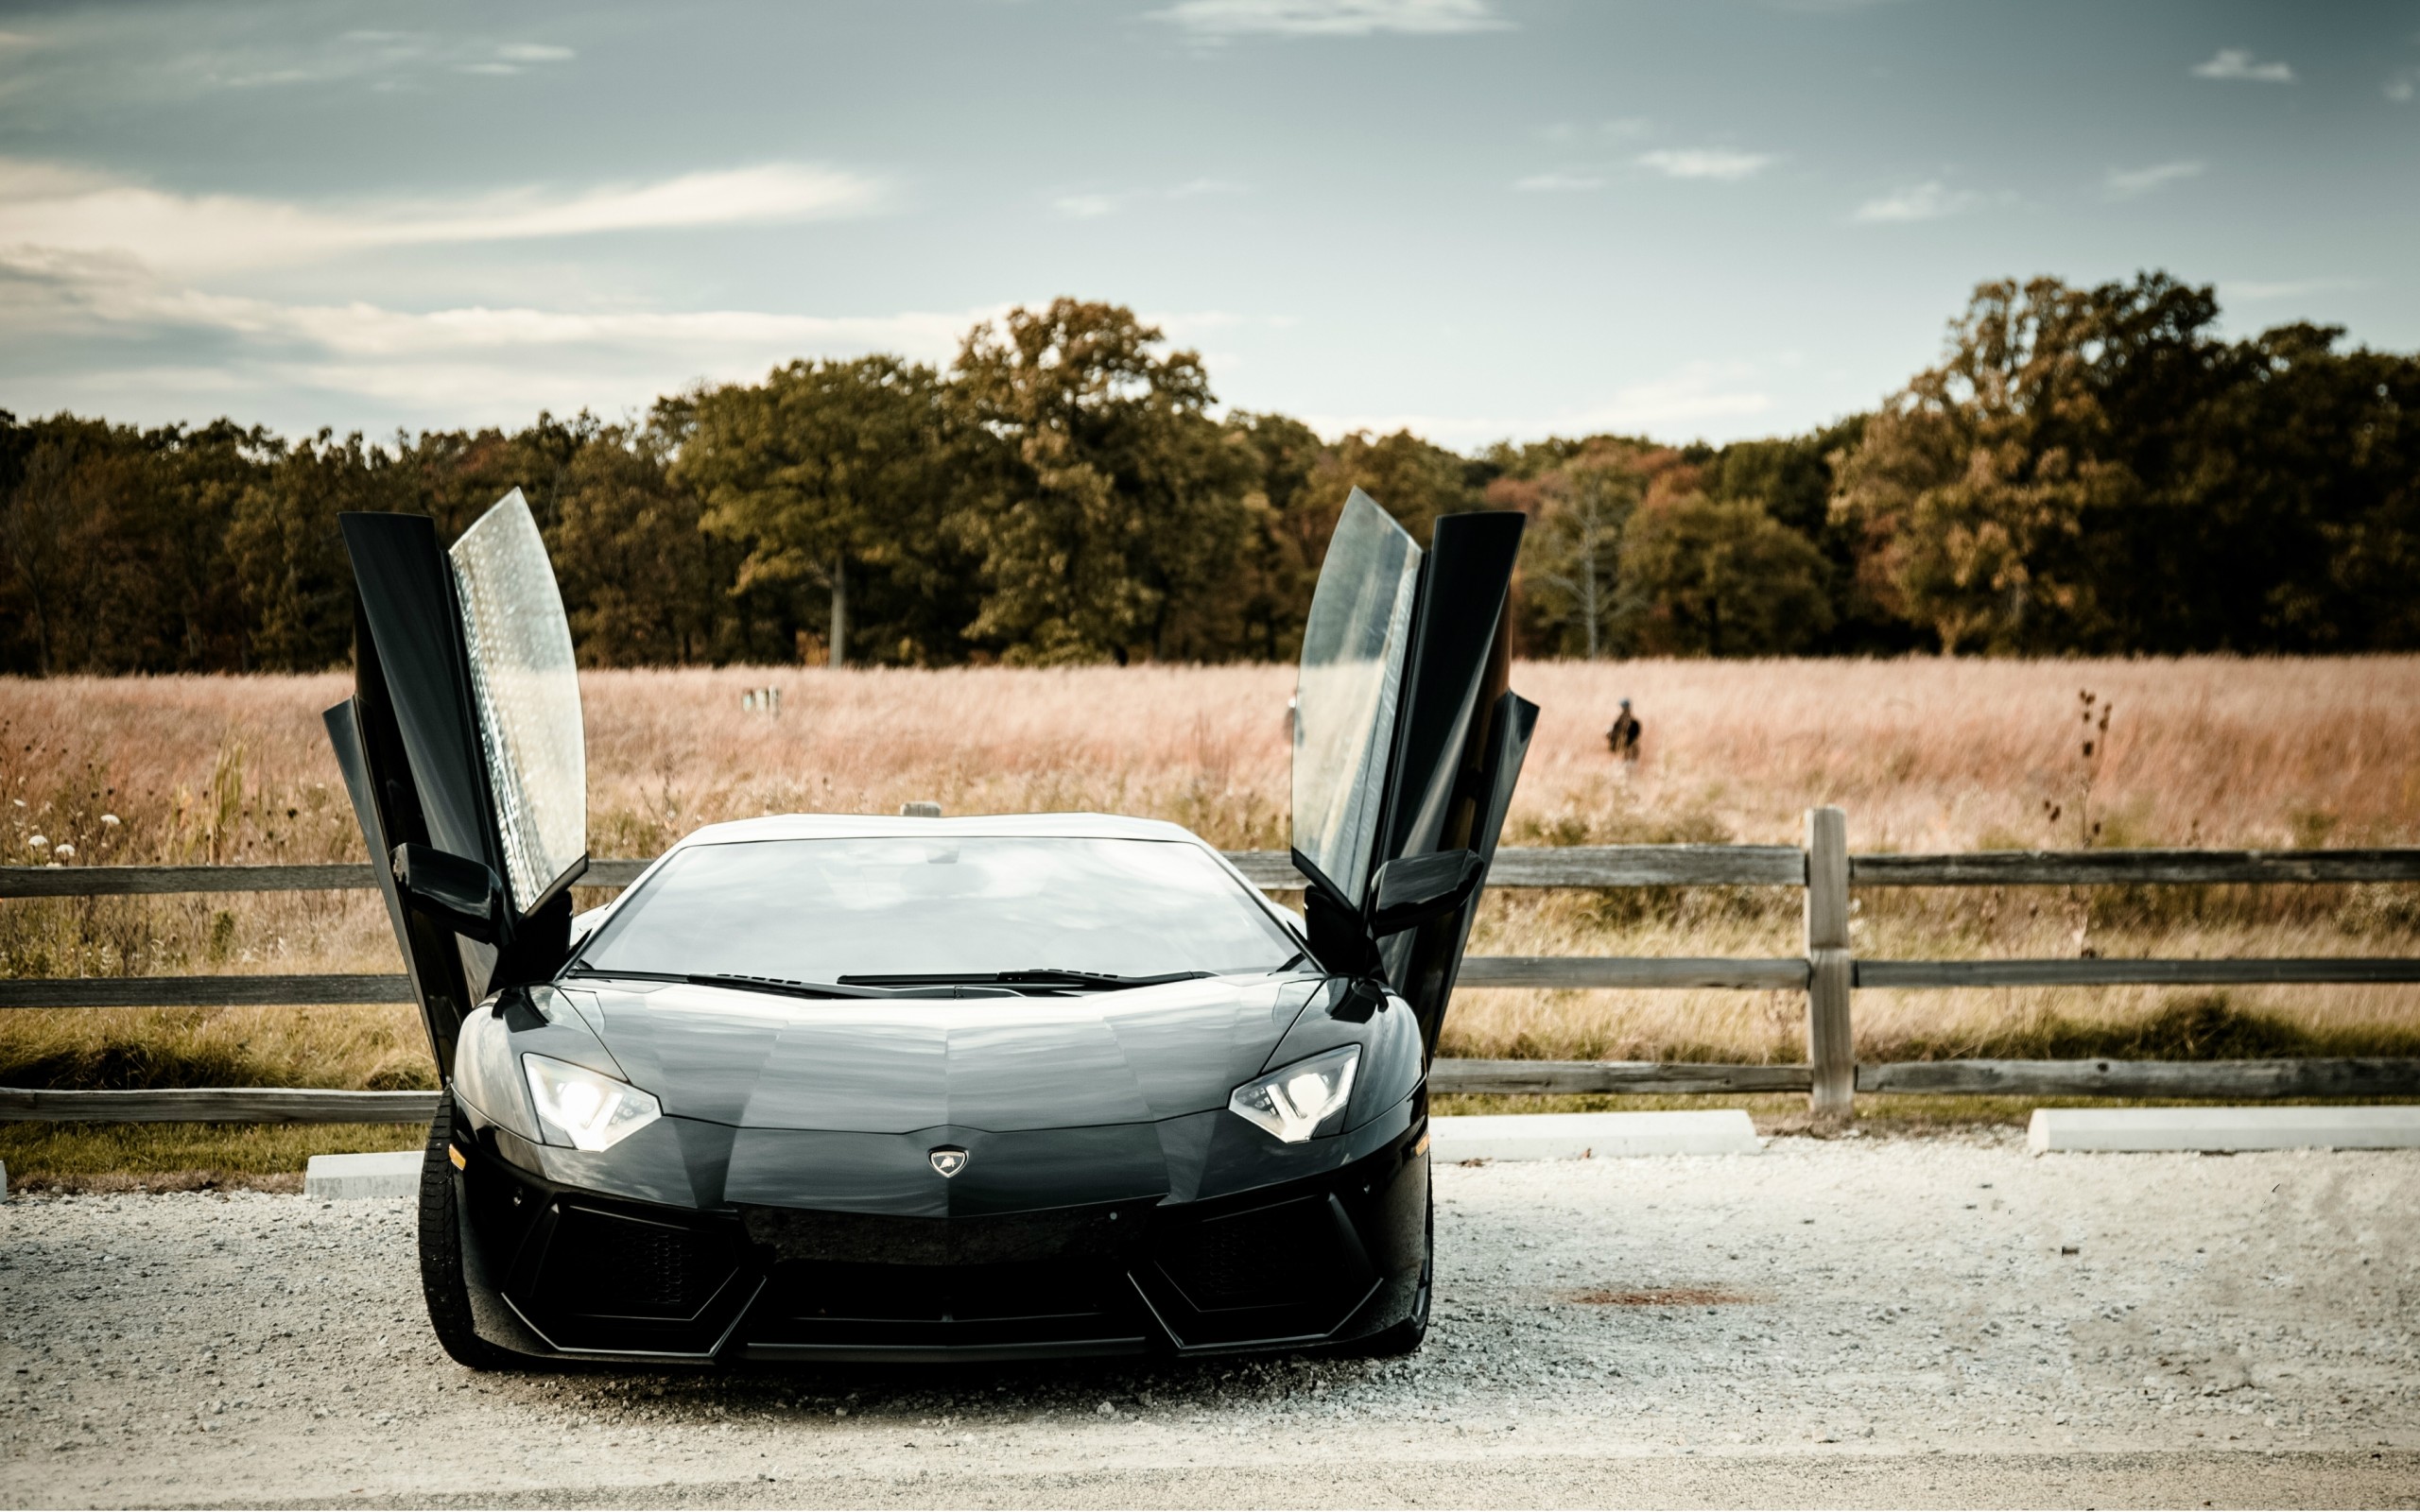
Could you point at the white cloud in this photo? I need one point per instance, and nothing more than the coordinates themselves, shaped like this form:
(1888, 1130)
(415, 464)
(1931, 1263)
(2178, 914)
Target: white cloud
(2292, 288)
(1092, 205)
(504, 363)
(46, 206)
(1706, 162)
(2125, 183)
(2238, 63)
(1559, 180)
(387, 58)
(516, 58)
(1930, 201)
(18, 41)
(2404, 85)
(1693, 397)
(1216, 19)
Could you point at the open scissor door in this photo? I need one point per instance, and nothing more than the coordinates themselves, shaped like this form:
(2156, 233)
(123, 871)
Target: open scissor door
(1408, 743)
(463, 750)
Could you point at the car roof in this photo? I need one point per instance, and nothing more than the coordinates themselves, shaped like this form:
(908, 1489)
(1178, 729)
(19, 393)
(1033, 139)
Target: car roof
(875, 826)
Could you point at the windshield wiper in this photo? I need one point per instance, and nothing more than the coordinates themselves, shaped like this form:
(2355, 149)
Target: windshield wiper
(1032, 976)
(786, 986)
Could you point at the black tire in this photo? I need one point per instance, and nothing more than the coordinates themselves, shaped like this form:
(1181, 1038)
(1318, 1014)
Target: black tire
(1405, 1337)
(440, 1254)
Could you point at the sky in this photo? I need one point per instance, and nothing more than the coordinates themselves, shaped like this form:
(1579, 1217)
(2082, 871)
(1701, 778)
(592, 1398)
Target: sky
(1481, 219)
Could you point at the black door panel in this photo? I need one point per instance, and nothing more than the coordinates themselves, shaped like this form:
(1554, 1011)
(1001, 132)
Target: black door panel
(463, 741)
(416, 655)
(1461, 603)
(1407, 741)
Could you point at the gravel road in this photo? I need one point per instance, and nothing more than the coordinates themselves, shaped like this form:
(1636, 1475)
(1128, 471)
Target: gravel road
(1917, 1321)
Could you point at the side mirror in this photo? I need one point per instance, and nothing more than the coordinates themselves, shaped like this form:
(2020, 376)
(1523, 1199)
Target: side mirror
(464, 895)
(1410, 891)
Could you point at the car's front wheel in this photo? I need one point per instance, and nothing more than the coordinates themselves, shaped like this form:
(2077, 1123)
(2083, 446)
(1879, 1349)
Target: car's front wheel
(441, 1253)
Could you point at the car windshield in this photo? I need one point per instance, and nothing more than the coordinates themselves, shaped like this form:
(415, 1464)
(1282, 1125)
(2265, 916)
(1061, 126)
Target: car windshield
(963, 906)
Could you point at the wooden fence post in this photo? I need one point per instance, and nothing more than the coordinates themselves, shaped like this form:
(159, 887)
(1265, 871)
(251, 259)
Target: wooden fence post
(1831, 1052)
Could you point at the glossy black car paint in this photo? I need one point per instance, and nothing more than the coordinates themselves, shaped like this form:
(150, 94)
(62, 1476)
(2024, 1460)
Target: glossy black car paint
(1115, 1207)
(786, 1204)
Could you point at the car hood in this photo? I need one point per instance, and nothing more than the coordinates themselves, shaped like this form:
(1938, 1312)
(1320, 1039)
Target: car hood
(888, 1066)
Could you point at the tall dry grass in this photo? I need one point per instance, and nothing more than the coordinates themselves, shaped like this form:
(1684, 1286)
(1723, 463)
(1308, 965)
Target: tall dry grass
(1924, 754)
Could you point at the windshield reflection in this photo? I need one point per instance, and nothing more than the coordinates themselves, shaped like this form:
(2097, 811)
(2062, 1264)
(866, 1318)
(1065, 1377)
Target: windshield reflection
(874, 909)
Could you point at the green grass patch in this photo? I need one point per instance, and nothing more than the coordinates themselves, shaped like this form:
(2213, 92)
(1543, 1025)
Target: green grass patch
(375, 1048)
(185, 1157)
(2205, 1026)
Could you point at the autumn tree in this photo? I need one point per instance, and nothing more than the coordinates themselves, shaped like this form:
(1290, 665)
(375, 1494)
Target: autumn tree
(288, 557)
(1703, 576)
(1412, 479)
(1973, 484)
(1571, 554)
(1285, 533)
(643, 583)
(1104, 506)
(70, 482)
(833, 474)
(2095, 470)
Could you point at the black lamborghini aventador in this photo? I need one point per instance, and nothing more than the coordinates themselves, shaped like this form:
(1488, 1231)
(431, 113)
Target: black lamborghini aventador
(835, 1088)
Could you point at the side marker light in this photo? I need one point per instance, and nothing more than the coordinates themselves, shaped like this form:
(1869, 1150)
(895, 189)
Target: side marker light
(456, 1156)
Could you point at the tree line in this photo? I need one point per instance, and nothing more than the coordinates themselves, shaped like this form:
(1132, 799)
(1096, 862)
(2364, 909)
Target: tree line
(2086, 470)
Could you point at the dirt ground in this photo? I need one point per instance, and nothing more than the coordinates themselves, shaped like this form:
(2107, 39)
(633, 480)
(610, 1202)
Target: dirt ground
(1939, 1322)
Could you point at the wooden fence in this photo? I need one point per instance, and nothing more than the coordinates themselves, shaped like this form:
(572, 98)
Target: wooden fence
(1827, 973)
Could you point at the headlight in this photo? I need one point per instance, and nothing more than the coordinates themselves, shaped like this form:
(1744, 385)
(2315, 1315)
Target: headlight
(1293, 1103)
(584, 1109)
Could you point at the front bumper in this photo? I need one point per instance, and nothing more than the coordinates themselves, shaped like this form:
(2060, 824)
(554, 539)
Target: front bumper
(563, 1271)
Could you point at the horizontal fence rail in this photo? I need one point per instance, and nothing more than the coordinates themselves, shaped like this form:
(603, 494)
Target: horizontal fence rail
(1577, 866)
(215, 1105)
(2131, 868)
(2231, 1079)
(2184, 1079)
(1552, 972)
(1827, 973)
(2097, 972)
(204, 991)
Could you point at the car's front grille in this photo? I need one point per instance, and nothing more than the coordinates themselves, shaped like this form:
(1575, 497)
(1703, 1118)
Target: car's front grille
(1097, 1230)
(834, 1305)
(1262, 1257)
(602, 1265)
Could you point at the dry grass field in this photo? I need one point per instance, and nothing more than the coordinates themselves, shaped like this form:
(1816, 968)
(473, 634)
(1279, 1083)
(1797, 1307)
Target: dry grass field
(1924, 755)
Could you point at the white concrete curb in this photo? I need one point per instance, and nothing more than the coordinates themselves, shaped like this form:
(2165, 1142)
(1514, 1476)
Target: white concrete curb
(387, 1174)
(2222, 1128)
(1582, 1136)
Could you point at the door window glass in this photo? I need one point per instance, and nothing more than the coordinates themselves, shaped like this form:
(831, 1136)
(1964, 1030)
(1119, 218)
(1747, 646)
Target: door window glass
(1346, 694)
(528, 697)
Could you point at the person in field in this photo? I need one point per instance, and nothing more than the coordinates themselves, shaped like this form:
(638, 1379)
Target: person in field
(1621, 736)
